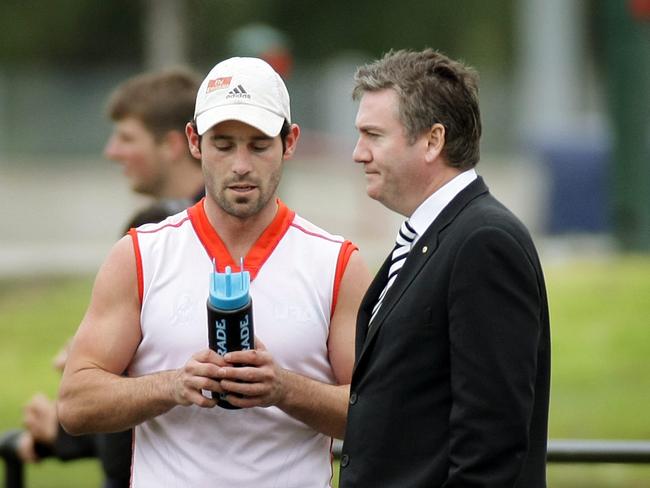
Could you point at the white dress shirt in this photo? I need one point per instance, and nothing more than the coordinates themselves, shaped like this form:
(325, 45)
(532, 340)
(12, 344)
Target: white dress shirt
(428, 211)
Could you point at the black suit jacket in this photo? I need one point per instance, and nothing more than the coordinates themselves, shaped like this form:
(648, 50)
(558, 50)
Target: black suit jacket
(451, 381)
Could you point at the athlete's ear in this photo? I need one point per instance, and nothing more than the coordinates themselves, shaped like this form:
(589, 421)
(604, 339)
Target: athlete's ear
(193, 139)
(291, 141)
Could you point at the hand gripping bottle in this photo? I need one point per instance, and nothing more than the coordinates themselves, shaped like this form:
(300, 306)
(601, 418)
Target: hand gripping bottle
(230, 315)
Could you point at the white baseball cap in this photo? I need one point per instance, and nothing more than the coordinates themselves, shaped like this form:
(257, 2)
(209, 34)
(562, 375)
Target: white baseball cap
(244, 89)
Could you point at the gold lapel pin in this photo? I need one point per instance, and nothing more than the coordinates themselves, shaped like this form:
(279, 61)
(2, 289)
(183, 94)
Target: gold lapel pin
(424, 249)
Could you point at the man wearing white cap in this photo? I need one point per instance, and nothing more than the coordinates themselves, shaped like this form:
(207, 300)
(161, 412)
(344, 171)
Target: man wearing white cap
(147, 316)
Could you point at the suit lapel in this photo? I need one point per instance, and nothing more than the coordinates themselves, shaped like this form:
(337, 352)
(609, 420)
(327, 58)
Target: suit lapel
(423, 250)
(412, 267)
(368, 302)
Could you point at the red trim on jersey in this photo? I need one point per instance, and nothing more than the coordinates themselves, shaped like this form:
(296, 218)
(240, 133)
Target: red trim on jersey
(338, 241)
(347, 248)
(257, 255)
(138, 262)
(177, 224)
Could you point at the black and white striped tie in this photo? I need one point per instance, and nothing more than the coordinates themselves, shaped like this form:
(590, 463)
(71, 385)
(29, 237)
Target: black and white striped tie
(403, 243)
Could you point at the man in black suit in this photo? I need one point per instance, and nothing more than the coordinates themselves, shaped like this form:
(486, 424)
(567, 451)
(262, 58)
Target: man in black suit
(451, 380)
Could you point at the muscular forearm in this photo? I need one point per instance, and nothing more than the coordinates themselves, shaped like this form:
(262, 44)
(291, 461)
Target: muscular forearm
(93, 400)
(322, 406)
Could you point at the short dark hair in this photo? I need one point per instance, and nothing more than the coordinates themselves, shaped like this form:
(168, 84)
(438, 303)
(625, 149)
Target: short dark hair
(431, 88)
(162, 101)
(284, 132)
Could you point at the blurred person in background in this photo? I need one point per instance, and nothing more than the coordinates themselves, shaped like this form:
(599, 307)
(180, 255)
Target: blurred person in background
(452, 369)
(147, 315)
(149, 114)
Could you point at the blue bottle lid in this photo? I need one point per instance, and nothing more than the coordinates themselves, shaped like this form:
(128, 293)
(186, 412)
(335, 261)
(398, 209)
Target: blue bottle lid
(229, 291)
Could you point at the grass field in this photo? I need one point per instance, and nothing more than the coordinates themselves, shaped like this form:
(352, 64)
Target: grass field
(600, 318)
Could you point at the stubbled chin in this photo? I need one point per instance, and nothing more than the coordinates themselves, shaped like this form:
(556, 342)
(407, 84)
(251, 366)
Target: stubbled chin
(242, 199)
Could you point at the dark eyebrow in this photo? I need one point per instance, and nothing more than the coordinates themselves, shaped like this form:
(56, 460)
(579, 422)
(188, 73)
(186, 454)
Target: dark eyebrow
(263, 138)
(369, 128)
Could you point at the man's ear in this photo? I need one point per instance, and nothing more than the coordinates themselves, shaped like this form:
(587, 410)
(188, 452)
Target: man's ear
(435, 141)
(291, 141)
(193, 140)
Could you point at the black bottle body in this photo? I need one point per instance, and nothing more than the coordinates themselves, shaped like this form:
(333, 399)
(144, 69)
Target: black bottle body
(228, 331)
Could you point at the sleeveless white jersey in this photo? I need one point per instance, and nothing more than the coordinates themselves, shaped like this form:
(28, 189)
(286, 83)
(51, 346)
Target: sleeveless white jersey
(295, 269)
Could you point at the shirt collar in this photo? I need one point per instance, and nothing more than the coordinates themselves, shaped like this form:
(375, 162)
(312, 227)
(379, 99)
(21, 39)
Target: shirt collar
(428, 210)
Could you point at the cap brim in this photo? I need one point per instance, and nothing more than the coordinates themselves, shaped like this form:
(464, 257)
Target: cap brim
(264, 120)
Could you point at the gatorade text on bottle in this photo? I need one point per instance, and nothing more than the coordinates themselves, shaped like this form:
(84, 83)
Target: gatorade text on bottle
(230, 315)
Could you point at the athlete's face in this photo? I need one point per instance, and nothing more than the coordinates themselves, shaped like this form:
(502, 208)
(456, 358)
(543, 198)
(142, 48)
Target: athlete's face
(136, 149)
(242, 166)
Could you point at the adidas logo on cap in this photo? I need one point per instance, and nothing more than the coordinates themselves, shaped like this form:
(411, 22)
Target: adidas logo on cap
(238, 92)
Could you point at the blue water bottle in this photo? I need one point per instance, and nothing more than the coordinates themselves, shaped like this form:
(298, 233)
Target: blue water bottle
(230, 315)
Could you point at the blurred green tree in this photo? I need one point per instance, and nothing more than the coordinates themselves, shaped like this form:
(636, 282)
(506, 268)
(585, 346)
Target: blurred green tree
(98, 32)
(69, 31)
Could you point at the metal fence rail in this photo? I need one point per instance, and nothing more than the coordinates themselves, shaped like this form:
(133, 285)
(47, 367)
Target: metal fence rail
(584, 451)
(598, 451)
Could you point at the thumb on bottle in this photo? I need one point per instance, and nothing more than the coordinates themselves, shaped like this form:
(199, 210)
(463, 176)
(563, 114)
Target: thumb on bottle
(259, 344)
